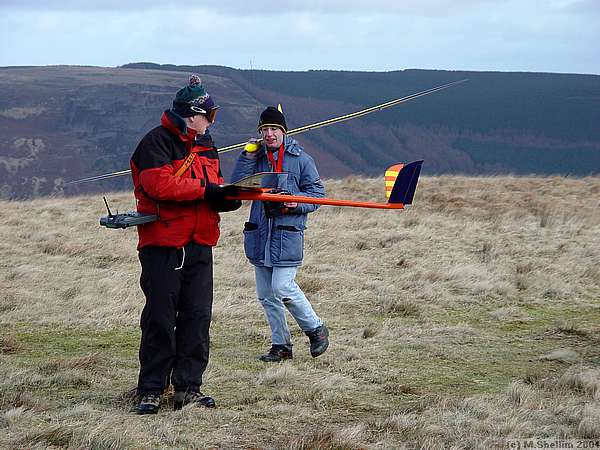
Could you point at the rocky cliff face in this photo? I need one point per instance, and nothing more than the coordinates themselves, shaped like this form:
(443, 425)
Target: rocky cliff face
(64, 123)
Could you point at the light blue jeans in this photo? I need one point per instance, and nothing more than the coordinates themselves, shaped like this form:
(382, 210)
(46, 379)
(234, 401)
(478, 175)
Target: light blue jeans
(277, 290)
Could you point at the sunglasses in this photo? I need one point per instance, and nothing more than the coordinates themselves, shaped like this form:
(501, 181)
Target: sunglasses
(211, 115)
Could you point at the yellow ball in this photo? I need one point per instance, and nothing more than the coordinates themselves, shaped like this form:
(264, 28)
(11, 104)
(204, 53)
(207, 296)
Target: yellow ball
(251, 147)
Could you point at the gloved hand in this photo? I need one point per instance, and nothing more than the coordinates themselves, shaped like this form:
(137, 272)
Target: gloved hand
(252, 146)
(227, 205)
(275, 209)
(213, 193)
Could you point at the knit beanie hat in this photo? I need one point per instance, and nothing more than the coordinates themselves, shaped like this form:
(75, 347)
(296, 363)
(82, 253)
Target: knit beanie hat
(193, 99)
(272, 117)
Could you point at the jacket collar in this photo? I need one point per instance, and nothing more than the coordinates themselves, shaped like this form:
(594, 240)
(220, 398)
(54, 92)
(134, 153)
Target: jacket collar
(176, 125)
(291, 146)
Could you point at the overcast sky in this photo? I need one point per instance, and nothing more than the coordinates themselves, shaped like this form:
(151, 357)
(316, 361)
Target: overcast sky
(372, 35)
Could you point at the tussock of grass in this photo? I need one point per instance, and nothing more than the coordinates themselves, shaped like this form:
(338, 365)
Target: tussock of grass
(582, 380)
(126, 400)
(391, 302)
(87, 363)
(547, 216)
(78, 434)
(70, 293)
(55, 435)
(345, 439)
(399, 389)
(15, 417)
(8, 300)
(26, 400)
(29, 380)
(8, 345)
(61, 248)
(405, 424)
(571, 328)
(521, 394)
(486, 252)
(324, 391)
(280, 374)
(311, 284)
(589, 427)
(370, 331)
(593, 273)
(399, 307)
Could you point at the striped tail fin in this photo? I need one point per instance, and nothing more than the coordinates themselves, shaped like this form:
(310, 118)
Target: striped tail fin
(401, 182)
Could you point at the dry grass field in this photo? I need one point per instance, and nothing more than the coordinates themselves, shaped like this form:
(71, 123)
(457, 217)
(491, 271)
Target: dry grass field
(469, 319)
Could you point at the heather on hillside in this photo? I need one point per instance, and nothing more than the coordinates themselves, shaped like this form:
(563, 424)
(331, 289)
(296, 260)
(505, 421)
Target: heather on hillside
(469, 319)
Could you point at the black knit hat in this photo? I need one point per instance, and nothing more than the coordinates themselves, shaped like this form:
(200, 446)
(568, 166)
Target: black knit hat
(192, 99)
(272, 117)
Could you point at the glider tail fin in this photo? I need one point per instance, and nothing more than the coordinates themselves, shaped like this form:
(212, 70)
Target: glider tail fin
(401, 182)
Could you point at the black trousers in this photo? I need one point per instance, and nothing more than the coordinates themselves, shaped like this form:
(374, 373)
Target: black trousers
(175, 322)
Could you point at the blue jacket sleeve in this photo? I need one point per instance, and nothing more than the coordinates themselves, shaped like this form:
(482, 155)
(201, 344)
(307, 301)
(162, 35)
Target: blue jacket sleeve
(310, 185)
(244, 167)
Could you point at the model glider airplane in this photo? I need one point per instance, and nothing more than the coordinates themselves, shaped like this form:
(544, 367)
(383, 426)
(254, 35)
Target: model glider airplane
(400, 184)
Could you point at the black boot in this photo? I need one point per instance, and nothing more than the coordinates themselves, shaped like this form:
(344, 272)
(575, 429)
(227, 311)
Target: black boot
(277, 353)
(318, 340)
(182, 398)
(149, 404)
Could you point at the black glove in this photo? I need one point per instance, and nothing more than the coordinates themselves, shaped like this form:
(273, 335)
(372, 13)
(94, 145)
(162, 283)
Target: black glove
(275, 209)
(215, 196)
(227, 205)
(230, 190)
(213, 193)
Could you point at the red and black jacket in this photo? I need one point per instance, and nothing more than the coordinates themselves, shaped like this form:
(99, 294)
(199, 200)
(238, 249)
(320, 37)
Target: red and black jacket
(183, 214)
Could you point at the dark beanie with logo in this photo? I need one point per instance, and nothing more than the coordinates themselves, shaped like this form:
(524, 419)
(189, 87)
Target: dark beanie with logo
(272, 117)
(192, 99)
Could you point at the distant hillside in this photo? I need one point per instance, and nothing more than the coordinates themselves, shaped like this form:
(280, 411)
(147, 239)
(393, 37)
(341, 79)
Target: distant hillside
(66, 122)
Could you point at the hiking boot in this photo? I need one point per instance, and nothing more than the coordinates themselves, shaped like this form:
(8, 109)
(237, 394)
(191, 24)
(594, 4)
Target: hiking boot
(182, 398)
(277, 353)
(318, 340)
(149, 404)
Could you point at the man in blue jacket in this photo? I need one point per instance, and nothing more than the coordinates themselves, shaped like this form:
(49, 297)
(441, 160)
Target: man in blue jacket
(274, 234)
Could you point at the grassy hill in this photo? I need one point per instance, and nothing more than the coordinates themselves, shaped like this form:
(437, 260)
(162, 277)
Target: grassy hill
(64, 123)
(467, 320)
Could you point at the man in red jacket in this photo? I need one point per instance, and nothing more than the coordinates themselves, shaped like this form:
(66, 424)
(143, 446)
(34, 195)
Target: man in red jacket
(176, 175)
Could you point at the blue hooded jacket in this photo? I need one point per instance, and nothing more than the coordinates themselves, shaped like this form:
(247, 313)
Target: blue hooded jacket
(284, 235)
